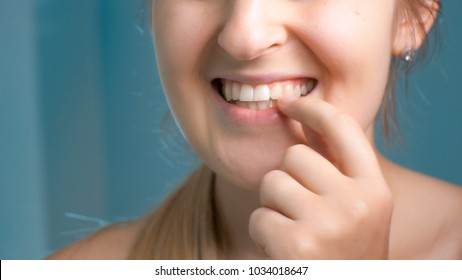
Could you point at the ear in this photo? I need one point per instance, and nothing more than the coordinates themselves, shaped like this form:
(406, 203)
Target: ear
(413, 27)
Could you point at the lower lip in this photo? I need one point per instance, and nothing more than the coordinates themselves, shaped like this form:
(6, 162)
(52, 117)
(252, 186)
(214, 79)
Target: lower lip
(242, 116)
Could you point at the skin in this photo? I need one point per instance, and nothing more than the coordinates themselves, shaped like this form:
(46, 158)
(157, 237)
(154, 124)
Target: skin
(282, 40)
(311, 184)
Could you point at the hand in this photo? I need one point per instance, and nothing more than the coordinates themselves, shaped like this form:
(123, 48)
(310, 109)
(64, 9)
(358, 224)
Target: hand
(316, 209)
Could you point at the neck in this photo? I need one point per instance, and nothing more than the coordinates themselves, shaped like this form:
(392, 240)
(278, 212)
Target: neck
(389, 169)
(236, 205)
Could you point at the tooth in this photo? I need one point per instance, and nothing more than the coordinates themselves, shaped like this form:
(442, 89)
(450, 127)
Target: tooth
(241, 104)
(264, 96)
(297, 91)
(246, 93)
(262, 105)
(277, 91)
(236, 91)
(304, 90)
(310, 86)
(252, 105)
(288, 90)
(261, 93)
(228, 92)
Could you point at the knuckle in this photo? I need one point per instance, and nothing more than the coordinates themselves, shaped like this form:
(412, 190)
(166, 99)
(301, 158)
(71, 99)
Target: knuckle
(303, 247)
(359, 208)
(300, 245)
(332, 229)
(371, 210)
(274, 187)
(271, 178)
(257, 219)
(360, 211)
(256, 216)
(294, 152)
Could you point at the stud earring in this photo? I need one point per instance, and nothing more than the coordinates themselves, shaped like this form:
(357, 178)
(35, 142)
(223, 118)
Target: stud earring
(408, 55)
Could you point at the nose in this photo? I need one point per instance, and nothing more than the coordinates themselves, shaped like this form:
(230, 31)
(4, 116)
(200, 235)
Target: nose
(251, 29)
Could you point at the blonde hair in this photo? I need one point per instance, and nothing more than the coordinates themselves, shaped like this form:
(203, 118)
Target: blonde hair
(187, 225)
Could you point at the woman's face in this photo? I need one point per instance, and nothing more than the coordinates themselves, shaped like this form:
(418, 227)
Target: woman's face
(335, 50)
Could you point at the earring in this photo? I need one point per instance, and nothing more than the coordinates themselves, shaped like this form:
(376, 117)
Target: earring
(408, 55)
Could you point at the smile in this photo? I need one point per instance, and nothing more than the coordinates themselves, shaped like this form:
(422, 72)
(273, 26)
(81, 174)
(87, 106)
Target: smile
(262, 96)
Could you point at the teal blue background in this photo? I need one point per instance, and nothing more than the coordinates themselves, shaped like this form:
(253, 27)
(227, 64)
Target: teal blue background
(85, 134)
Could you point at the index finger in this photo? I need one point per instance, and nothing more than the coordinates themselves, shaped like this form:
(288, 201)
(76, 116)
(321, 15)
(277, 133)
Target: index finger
(343, 134)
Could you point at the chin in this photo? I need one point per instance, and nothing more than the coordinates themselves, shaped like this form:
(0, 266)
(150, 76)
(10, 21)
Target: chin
(250, 179)
(243, 163)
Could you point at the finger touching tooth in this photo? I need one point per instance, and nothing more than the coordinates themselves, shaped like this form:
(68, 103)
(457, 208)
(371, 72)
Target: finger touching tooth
(277, 92)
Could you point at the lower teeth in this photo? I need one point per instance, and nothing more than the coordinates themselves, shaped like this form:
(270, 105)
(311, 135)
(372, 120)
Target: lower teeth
(256, 105)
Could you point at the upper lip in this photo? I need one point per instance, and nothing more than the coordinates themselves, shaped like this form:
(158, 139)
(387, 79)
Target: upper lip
(261, 79)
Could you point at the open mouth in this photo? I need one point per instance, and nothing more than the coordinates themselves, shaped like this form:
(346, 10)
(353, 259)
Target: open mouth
(262, 96)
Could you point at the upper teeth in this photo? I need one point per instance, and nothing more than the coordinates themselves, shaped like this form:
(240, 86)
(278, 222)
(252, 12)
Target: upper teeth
(234, 91)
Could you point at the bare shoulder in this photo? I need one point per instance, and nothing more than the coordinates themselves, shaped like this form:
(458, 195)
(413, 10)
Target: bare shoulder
(437, 193)
(441, 203)
(427, 214)
(110, 243)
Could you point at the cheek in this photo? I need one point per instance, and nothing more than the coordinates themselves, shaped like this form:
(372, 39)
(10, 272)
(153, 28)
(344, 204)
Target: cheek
(183, 33)
(356, 55)
(175, 41)
(180, 36)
